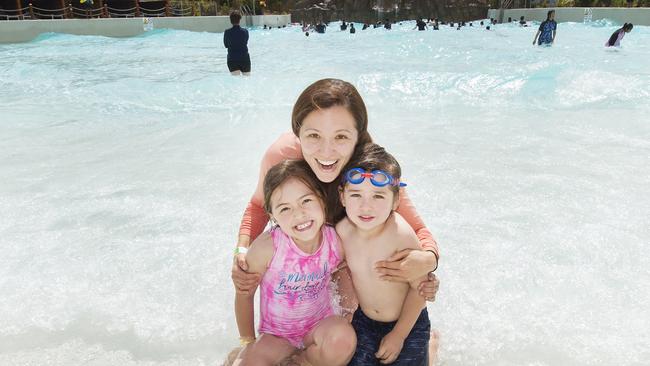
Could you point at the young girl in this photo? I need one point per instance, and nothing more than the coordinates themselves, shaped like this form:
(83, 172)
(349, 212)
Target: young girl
(615, 39)
(296, 259)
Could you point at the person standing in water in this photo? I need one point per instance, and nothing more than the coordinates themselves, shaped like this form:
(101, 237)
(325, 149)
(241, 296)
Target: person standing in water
(235, 40)
(420, 25)
(546, 30)
(615, 39)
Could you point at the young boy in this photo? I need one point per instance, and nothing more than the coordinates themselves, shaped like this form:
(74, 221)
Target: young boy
(391, 323)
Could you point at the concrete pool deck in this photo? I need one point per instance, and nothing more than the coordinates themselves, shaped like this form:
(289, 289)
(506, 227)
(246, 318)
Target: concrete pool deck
(13, 31)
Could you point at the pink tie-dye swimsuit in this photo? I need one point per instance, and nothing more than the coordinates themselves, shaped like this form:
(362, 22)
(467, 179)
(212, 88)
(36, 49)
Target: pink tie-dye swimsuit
(294, 294)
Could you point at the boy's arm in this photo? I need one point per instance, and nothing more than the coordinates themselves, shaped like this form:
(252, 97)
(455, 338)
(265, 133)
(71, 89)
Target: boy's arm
(257, 258)
(413, 304)
(391, 345)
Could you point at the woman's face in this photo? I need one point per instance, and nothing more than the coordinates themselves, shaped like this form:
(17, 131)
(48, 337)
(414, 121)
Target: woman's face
(327, 139)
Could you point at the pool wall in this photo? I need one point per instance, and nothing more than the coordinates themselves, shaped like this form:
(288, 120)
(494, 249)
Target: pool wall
(12, 31)
(637, 16)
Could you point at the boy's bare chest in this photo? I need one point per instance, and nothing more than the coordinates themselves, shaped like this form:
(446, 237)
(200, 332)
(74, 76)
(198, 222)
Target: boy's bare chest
(362, 255)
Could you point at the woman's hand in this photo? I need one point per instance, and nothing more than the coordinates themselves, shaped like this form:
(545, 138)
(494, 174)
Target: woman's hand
(429, 287)
(406, 265)
(245, 283)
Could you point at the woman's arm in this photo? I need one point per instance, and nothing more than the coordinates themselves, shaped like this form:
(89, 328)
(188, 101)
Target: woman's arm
(255, 217)
(407, 210)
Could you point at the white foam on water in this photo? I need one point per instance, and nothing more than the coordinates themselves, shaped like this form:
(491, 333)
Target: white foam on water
(126, 165)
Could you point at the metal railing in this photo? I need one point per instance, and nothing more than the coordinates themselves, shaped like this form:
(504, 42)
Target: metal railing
(103, 10)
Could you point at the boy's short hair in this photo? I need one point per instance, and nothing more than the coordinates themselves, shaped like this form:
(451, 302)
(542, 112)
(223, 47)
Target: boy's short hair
(235, 17)
(374, 157)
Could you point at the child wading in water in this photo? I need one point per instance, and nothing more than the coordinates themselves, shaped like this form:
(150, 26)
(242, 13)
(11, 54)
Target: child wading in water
(392, 324)
(617, 36)
(296, 259)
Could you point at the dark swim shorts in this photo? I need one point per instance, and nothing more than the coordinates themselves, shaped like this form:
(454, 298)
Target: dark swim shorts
(241, 65)
(415, 351)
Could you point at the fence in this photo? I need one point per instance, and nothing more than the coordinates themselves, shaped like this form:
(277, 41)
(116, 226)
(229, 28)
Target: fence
(104, 10)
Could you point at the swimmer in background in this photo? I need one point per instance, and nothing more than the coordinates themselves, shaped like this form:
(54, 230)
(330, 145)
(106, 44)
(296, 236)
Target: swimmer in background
(546, 31)
(420, 25)
(235, 39)
(522, 22)
(615, 39)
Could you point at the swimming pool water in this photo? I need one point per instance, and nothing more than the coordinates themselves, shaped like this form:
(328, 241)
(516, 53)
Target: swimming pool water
(126, 165)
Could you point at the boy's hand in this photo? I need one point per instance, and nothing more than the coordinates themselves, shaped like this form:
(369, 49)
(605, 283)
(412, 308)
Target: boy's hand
(389, 348)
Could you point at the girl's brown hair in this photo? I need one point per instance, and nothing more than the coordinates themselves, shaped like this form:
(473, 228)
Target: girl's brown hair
(282, 172)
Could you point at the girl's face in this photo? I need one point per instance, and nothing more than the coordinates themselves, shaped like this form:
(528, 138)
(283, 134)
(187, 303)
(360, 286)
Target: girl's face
(298, 211)
(366, 205)
(327, 139)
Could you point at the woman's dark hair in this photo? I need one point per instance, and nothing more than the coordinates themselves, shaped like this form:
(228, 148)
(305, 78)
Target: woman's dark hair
(628, 26)
(288, 169)
(235, 17)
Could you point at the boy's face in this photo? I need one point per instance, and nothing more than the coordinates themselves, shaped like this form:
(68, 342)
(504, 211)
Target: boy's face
(298, 211)
(366, 205)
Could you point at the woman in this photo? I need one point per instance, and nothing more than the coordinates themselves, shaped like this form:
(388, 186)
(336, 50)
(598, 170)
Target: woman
(546, 31)
(615, 39)
(329, 123)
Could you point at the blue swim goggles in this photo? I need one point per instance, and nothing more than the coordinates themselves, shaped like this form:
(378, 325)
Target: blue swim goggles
(378, 178)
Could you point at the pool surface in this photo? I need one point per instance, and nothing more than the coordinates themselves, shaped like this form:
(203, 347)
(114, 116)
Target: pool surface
(126, 165)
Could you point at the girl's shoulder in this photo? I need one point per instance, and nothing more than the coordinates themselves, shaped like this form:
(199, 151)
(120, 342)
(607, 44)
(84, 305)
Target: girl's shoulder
(261, 252)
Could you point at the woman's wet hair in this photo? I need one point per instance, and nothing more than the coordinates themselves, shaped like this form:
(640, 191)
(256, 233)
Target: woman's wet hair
(327, 93)
(374, 157)
(291, 169)
(628, 26)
